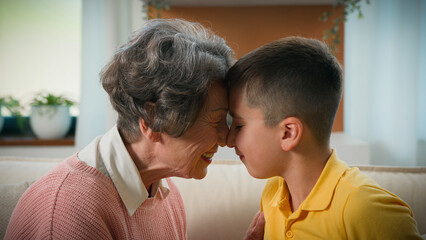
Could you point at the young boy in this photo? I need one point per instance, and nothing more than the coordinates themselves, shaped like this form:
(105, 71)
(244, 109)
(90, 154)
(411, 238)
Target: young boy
(283, 100)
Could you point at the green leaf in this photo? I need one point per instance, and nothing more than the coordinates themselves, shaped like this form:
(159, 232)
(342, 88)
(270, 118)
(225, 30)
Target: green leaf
(13, 106)
(333, 34)
(49, 99)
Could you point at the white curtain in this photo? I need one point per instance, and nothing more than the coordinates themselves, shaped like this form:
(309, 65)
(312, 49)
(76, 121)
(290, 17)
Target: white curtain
(385, 80)
(107, 24)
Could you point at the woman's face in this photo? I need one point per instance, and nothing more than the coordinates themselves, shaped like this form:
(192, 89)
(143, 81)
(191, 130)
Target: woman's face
(191, 153)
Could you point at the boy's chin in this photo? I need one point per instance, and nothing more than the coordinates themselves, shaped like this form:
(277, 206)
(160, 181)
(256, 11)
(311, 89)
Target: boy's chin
(257, 174)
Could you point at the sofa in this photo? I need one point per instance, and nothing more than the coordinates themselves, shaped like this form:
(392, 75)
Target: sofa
(222, 205)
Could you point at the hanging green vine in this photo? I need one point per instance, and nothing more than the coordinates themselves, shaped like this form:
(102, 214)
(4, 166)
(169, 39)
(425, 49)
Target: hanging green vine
(332, 35)
(158, 5)
(154, 8)
(15, 109)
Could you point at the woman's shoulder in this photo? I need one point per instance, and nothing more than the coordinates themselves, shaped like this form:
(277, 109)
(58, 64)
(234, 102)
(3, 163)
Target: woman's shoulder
(71, 180)
(66, 195)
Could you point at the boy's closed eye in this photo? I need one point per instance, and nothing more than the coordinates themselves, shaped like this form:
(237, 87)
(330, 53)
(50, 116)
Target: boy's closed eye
(238, 127)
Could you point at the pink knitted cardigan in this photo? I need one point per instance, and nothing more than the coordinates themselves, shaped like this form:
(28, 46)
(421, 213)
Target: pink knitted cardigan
(76, 201)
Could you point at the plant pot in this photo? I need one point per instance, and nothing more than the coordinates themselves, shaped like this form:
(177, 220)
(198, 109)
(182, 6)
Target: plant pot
(1, 120)
(50, 122)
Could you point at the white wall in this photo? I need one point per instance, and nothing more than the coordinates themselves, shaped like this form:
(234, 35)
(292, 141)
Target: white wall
(385, 80)
(40, 45)
(106, 24)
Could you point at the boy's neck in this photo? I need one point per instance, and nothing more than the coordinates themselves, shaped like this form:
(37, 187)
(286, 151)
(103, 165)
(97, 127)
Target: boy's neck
(304, 172)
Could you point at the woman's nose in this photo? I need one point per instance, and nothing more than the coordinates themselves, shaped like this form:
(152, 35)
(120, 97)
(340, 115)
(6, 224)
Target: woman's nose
(222, 134)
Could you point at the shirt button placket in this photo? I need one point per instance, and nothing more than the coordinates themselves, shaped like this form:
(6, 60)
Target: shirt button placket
(289, 234)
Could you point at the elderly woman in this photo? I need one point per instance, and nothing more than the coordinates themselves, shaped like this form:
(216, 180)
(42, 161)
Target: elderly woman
(166, 85)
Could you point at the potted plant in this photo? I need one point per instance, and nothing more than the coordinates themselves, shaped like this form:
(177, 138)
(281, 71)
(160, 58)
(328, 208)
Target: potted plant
(15, 109)
(50, 117)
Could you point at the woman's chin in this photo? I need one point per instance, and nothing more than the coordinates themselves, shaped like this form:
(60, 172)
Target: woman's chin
(200, 174)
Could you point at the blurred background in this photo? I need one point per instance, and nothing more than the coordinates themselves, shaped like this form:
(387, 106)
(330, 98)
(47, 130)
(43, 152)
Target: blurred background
(60, 46)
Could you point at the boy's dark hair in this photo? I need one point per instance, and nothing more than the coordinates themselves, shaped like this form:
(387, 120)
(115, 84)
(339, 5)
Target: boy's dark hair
(292, 77)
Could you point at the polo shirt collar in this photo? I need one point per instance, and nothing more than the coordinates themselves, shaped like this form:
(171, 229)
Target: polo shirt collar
(113, 155)
(322, 193)
(281, 195)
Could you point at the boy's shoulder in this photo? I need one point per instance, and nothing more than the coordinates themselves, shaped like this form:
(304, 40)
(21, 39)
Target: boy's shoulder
(354, 181)
(364, 201)
(360, 193)
(353, 177)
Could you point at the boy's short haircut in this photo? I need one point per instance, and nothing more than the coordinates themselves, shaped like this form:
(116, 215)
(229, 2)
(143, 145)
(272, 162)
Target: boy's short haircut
(292, 77)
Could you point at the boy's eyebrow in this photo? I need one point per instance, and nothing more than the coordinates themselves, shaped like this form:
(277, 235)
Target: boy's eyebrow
(234, 115)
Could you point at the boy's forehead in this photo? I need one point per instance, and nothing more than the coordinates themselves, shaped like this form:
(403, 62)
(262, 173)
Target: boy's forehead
(237, 101)
(237, 93)
(241, 110)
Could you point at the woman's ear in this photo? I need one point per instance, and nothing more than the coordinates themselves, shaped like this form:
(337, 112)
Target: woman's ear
(292, 130)
(147, 131)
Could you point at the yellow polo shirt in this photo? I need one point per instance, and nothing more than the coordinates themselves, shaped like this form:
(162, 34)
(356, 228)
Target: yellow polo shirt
(344, 204)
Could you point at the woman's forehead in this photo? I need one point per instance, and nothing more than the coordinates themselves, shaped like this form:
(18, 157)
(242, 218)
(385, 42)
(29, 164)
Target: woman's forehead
(218, 98)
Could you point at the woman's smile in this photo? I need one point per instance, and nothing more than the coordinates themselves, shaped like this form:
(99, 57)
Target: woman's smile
(208, 157)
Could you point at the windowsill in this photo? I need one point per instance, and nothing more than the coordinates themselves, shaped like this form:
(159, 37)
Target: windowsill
(32, 141)
(12, 135)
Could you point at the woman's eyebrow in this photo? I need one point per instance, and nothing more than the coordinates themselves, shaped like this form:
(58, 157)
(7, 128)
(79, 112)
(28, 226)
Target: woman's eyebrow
(219, 109)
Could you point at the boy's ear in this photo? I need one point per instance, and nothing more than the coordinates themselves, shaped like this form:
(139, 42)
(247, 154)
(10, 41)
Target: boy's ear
(147, 131)
(291, 129)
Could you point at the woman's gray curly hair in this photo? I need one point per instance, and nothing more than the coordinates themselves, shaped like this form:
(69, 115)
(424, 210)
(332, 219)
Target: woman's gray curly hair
(163, 76)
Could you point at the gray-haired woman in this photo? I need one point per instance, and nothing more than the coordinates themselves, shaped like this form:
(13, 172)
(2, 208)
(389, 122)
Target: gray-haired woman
(166, 85)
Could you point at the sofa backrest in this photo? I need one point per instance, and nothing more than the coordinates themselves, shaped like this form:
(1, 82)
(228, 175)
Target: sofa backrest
(222, 205)
(16, 175)
(17, 169)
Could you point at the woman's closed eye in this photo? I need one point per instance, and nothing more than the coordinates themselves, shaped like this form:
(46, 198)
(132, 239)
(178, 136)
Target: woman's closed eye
(218, 122)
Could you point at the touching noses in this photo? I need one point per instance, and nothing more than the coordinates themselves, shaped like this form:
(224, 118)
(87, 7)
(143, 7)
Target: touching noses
(222, 134)
(230, 139)
(226, 136)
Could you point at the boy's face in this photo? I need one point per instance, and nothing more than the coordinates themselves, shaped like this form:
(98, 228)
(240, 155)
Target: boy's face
(257, 145)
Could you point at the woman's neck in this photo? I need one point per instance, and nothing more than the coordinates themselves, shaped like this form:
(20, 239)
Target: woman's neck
(151, 170)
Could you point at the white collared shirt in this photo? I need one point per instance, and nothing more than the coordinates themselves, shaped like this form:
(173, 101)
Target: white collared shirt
(108, 155)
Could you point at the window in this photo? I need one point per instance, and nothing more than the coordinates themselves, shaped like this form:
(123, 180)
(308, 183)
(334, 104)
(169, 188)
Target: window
(40, 45)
